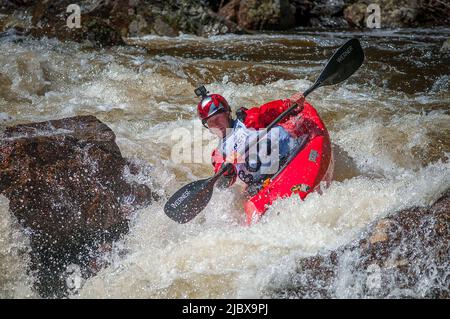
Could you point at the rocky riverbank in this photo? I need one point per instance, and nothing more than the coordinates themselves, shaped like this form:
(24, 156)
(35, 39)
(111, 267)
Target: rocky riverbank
(109, 22)
(396, 257)
(70, 188)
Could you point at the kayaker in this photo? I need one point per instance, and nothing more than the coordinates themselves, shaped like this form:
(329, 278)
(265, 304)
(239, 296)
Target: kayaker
(215, 114)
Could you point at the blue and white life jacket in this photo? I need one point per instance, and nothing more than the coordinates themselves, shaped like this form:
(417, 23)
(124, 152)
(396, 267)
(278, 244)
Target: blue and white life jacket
(260, 160)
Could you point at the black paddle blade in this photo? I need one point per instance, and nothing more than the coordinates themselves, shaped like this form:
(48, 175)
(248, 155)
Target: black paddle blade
(344, 62)
(190, 200)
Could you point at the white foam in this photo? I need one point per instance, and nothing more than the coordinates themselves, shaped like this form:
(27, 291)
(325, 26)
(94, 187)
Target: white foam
(14, 259)
(145, 101)
(217, 259)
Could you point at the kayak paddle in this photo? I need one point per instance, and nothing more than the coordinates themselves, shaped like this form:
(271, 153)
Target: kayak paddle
(191, 199)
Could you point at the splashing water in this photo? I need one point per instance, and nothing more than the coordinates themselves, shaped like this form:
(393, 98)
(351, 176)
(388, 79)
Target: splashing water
(389, 124)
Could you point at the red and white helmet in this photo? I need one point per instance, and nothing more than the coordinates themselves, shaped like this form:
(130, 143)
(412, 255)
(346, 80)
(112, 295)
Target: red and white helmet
(210, 105)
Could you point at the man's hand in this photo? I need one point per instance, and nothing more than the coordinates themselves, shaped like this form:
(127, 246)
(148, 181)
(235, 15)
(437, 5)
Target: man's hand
(299, 99)
(228, 178)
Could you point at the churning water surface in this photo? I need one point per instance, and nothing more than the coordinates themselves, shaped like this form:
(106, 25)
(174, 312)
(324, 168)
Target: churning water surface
(389, 124)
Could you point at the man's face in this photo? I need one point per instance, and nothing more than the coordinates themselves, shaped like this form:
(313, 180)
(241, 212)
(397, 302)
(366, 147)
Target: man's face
(219, 123)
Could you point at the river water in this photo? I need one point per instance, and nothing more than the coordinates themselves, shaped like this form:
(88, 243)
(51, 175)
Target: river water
(389, 124)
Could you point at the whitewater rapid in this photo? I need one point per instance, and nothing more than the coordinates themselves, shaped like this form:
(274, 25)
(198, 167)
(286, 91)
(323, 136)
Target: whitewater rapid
(391, 144)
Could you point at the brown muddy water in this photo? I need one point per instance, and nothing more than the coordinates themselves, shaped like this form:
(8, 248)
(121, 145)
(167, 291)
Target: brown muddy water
(389, 124)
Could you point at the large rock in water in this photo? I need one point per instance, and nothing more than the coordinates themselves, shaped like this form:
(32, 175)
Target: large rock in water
(401, 256)
(328, 14)
(109, 22)
(65, 183)
(399, 13)
(260, 14)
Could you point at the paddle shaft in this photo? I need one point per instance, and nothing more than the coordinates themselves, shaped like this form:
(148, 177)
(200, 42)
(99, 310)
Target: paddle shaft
(289, 110)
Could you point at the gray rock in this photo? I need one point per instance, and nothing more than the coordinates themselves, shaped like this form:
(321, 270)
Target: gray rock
(394, 257)
(65, 183)
(260, 14)
(328, 8)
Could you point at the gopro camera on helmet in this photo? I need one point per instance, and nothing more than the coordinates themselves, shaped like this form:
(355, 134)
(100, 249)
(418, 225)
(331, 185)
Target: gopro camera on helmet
(201, 91)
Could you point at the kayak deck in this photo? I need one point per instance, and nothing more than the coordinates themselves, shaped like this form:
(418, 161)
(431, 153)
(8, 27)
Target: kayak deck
(303, 173)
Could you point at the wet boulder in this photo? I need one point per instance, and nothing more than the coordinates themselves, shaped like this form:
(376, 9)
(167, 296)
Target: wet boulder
(106, 23)
(71, 189)
(327, 14)
(398, 14)
(404, 255)
(260, 14)
(100, 22)
(392, 13)
(187, 16)
(355, 14)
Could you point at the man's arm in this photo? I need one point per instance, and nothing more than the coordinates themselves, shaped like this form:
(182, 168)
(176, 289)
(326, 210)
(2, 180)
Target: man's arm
(229, 177)
(260, 117)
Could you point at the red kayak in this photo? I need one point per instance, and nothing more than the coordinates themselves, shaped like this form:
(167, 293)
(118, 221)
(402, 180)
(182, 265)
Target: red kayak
(303, 172)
